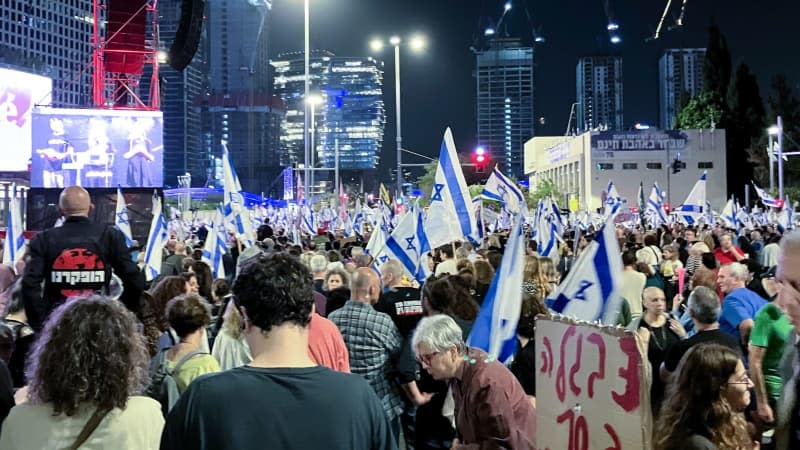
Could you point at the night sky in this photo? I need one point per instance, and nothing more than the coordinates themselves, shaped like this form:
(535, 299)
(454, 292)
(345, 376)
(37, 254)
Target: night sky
(438, 89)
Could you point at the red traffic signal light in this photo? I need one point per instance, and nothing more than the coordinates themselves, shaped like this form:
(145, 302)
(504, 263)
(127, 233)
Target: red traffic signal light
(480, 158)
(779, 203)
(667, 207)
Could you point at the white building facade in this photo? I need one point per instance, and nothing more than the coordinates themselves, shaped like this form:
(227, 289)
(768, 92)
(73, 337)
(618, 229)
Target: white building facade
(581, 166)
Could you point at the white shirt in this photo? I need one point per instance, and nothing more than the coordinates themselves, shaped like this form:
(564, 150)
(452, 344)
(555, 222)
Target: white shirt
(137, 427)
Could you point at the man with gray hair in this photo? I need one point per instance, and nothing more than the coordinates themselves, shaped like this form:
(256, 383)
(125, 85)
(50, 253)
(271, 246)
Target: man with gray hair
(704, 309)
(491, 407)
(740, 305)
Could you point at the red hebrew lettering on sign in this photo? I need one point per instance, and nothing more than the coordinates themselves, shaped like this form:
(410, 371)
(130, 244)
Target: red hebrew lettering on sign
(600, 373)
(629, 400)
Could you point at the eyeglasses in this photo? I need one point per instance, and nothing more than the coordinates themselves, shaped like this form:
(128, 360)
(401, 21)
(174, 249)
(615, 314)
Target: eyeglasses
(427, 358)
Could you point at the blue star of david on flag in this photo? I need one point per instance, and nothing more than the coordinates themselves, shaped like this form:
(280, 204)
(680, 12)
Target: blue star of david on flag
(122, 216)
(437, 194)
(410, 241)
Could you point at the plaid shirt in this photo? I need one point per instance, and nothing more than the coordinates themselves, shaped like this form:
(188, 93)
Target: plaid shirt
(373, 341)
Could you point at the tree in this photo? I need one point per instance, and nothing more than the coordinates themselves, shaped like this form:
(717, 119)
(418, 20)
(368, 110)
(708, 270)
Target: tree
(783, 101)
(702, 111)
(545, 188)
(746, 122)
(425, 182)
(717, 64)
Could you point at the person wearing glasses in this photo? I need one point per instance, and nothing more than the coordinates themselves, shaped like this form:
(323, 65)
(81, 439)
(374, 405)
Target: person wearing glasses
(282, 398)
(704, 406)
(491, 407)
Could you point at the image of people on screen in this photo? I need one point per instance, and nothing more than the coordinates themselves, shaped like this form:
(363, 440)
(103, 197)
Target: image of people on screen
(55, 156)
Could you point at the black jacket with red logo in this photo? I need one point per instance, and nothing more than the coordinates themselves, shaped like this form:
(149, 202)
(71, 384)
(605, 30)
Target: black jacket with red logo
(76, 259)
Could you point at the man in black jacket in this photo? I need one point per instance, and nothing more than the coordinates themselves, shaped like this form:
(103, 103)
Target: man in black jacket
(76, 259)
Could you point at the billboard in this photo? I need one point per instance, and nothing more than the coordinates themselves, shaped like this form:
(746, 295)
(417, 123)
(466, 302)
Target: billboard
(20, 92)
(97, 148)
(643, 140)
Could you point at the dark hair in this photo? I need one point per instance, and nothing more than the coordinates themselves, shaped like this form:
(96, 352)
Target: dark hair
(449, 294)
(275, 289)
(89, 351)
(695, 404)
(484, 272)
(220, 288)
(187, 314)
(14, 298)
(494, 257)
(334, 256)
(447, 250)
(628, 258)
(166, 289)
(709, 260)
(204, 279)
(650, 239)
(188, 263)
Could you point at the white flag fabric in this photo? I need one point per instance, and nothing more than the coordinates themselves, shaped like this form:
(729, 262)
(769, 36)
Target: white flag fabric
(378, 238)
(495, 328)
(590, 291)
(450, 215)
(695, 205)
(14, 244)
(654, 210)
(766, 198)
(408, 243)
(613, 199)
(155, 241)
(121, 218)
(215, 248)
(233, 203)
(500, 188)
(729, 214)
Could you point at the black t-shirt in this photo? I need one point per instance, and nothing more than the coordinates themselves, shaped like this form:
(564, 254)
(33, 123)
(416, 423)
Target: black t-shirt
(255, 408)
(404, 306)
(661, 340)
(677, 351)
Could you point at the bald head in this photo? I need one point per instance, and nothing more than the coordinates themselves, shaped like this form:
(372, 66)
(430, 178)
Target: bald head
(365, 285)
(74, 201)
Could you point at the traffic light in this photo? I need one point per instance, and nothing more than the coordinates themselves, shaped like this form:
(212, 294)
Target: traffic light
(480, 159)
(677, 165)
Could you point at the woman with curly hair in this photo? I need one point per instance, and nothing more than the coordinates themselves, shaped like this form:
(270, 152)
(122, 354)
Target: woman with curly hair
(154, 307)
(704, 407)
(534, 281)
(87, 369)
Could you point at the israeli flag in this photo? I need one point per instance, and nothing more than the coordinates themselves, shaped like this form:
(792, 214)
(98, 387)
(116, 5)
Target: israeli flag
(378, 238)
(215, 248)
(729, 214)
(121, 219)
(590, 291)
(694, 207)
(500, 188)
(495, 328)
(155, 241)
(14, 243)
(613, 199)
(407, 244)
(788, 206)
(546, 231)
(654, 210)
(233, 204)
(765, 197)
(307, 224)
(450, 215)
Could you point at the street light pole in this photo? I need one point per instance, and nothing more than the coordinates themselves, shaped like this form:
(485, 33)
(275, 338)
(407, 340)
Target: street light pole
(397, 117)
(780, 158)
(771, 165)
(312, 145)
(306, 119)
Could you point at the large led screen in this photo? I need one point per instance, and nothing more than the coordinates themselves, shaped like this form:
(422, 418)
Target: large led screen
(20, 92)
(97, 148)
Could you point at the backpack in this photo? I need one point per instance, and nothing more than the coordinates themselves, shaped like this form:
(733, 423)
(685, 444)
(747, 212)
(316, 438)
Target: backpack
(163, 387)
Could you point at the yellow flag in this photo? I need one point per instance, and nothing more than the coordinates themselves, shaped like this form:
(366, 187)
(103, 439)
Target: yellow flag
(387, 200)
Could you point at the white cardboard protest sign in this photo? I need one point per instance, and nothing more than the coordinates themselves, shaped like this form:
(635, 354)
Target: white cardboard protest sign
(592, 388)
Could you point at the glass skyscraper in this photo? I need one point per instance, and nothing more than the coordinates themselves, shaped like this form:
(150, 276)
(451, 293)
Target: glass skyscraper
(504, 82)
(54, 39)
(680, 78)
(598, 82)
(351, 114)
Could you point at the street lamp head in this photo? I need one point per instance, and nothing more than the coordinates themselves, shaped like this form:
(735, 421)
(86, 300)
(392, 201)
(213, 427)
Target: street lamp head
(162, 57)
(394, 40)
(488, 32)
(376, 45)
(417, 43)
(314, 99)
(507, 6)
(773, 130)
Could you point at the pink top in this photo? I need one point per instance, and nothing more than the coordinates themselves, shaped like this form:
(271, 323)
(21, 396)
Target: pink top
(326, 346)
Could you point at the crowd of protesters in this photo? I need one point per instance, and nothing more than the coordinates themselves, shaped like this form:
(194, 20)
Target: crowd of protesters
(307, 346)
